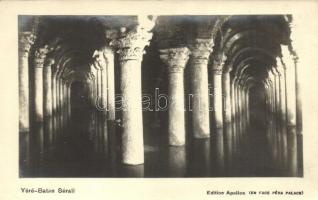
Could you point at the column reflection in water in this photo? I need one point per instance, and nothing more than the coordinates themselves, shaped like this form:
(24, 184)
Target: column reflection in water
(300, 153)
(284, 162)
(36, 149)
(24, 154)
(292, 151)
(112, 146)
(104, 125)
(228, 140)
(177, 161)
(218, 152)
(200, 158)
(48, 134)
(137, 171)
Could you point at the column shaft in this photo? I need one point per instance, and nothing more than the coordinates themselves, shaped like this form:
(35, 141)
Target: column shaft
(176, 59)
(227, 97)
(132, 136)
(290, 87)
(130, 49)
(217, 100)
(38, 84)
(47, 88)
(109, 56)
(26, 39)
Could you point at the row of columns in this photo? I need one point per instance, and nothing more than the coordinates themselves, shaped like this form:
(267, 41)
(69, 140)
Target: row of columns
(230, 97)
(281, 95)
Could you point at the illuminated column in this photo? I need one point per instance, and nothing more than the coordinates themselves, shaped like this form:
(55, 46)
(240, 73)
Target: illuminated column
(130, 45)
(176, 60)
(227, 115)
(47, 87)
(299, 52)
(69, 100)
(237, 114)
(98, 83)
(26, 40)
(109, 58)
(93, 76)
(233, 115)
(217, 68)
(277, 92)
(102, 76)
(201, 50)
(282, 89)
(240, 110)
(288, 60)
(60, 91)
(40, 55)
(248, 106)
(227, 97)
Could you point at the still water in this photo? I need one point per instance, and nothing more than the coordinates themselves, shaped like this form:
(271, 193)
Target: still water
(89, 146)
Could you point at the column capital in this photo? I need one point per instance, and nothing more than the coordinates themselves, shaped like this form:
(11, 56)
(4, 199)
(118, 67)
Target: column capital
(279, 65)
(49, 62)
(201, 49)
(288, 56)
(108, 51)
(218, 63)
(26, 40)
(40, 55)
(99, 60)
(131, 43)
(175, 58)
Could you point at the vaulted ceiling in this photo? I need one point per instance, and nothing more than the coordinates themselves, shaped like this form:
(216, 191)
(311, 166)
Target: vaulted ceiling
(250, 43)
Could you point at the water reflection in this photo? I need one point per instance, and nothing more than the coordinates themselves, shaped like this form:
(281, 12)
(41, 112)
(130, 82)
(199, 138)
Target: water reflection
(89, 146)
(200, 158)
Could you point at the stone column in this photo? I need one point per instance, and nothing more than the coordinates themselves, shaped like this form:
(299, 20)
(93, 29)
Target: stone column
(227, 98)
(65, 102)
(278, 99)
(227, 117)
(240, 110)
(26, 39)
(40, 55)
(98, 83)
(217, 68)
(248, 106)
(109, 58)
(176, 60)
(60, 91)
(282, 89)
(237, 115)
(201, 49)
(47, 87)
(299, 52)
(233, 117)
(288, 60)
(130, 45)
(54, 95)
(102, 76)
(69, 101)
(57, 113)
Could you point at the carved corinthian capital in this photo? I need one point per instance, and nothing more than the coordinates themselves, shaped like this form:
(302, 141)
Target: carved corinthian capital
(175, 58)
(218, 63)
(288, 57)
(201, 50)
(26, 40)
(49, 62)
(130, 44)
(39, 56)
(99, 60)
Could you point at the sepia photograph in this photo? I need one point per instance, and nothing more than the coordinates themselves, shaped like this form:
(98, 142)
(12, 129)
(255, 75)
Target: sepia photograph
(159, 96)
(155, 100)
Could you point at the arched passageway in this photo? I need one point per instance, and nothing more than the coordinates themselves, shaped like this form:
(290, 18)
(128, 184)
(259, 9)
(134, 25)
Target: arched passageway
(164, 96)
